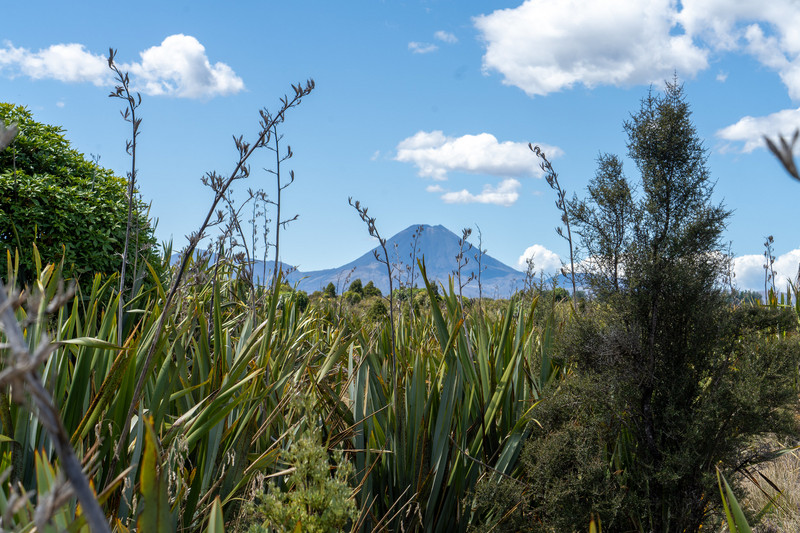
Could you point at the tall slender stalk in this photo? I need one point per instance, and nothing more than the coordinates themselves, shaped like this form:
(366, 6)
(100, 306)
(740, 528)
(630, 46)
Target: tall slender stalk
(132, 102)
(414, 247)
(479, 259)
(373, 232)
(552, 179)
(278, 189)
(461, 262)
(220, 185)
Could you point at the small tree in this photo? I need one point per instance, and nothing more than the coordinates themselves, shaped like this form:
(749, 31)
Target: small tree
(604, 222)
(356, 287)
(371, 290)
(330, 290)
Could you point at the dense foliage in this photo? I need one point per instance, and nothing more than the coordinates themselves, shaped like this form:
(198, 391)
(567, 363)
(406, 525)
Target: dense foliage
(537, 413)
(668, 383)
(51, 196)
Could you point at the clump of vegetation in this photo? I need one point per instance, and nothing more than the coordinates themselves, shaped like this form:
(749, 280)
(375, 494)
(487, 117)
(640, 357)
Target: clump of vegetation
(315, 500)
(666, 385)
(66, 205)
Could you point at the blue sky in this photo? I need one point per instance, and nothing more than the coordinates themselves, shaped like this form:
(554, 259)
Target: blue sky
(422, 109)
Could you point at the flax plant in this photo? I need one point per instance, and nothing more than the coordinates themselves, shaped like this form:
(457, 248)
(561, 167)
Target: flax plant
(220, 185)
(132, 103)
(561, 203)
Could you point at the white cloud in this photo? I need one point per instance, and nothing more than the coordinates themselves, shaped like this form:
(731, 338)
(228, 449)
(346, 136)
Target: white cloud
(422, 48)
(722, 76)
(505, 194)
(749, 270)
(751, 130)
(434, 188)
(544, 260)
(544, 46)
(177, 67)
(435, 154)
(70, 63)
(768, 31)
(446, 37)
(60, 104)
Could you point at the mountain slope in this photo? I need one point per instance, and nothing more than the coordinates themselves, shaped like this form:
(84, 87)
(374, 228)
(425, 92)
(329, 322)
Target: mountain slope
(439, 247)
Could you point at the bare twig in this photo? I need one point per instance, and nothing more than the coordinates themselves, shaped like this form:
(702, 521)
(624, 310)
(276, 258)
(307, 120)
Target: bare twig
(785, 152)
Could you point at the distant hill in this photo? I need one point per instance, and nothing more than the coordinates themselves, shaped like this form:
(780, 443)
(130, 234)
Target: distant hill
(261, 271)
(439, 246)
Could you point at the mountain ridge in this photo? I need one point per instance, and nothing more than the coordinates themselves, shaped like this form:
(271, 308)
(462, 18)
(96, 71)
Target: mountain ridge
(435, 243)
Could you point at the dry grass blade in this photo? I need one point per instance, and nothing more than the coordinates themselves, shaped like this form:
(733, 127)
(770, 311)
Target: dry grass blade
(785, 153)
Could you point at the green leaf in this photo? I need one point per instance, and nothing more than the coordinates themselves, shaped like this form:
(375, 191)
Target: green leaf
(155, 515)
(737, 523)
(216, 522)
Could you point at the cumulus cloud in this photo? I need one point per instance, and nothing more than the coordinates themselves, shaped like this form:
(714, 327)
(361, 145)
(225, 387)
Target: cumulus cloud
(422, 48)
(177, 67)
(445, 37)
(751, 130)
(435, 154)
(749, 270)
(544, 260)
(544, 47)
(767, 32)
(70, 63)
(505, 194)
(434, 188)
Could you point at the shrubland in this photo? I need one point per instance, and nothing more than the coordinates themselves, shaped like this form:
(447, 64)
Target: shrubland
(214, 403)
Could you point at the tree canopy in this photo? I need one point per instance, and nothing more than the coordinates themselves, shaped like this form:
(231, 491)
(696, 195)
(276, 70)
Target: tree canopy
(66, 205)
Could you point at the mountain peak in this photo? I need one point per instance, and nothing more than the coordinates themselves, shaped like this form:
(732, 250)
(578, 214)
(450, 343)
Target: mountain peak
(439, 246)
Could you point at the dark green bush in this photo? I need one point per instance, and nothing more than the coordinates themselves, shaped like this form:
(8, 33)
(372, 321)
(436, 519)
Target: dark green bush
(371, 290)
(377, 311)
(51, 196)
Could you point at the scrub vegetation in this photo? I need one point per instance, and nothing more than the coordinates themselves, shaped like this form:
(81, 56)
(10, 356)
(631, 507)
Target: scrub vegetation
(188, 397)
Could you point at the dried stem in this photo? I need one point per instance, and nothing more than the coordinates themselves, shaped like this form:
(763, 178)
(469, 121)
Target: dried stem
(129, 115)
(220, 186)
(552, 179)
(21, 371)
(373, 232)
